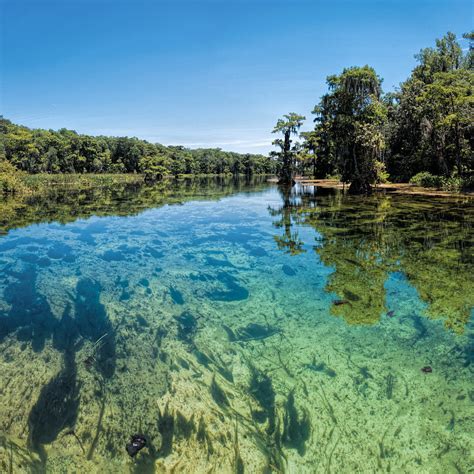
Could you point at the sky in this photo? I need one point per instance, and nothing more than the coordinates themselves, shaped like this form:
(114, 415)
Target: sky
(201, 73)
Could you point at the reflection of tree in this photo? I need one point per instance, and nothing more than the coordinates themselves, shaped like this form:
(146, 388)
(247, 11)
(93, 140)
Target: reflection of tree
(289, 242)
(358, 279)
(364, 239)
(358, 257)
(69, 204)
(439, 263)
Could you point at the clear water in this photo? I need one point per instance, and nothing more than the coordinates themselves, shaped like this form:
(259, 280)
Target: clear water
(239, 327)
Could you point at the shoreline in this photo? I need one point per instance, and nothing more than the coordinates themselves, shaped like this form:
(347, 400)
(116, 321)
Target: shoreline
(392, 188)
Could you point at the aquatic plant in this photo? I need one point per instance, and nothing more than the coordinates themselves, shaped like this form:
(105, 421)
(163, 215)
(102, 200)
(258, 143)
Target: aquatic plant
(268, 383)
(296, 426)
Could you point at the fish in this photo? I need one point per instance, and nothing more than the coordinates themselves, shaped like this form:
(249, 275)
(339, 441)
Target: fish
(391, 314)
(427, 369)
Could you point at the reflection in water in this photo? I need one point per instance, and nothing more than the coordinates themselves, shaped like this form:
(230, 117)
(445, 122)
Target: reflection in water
(174, 312)
(289, 241)
(367, 239)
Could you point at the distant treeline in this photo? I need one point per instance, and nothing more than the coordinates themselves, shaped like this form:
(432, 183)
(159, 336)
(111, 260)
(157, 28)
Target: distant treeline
(423, 131)
(66, 151)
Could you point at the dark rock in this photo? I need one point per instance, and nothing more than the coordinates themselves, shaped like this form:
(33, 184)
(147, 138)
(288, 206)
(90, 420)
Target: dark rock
(137, 443)
(287, 270)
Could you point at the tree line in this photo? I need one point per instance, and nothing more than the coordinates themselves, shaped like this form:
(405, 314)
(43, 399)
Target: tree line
(423, 131)
(66, 151)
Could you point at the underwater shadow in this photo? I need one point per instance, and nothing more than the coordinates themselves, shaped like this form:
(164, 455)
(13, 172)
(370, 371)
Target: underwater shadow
(94, 325)
(57, 406)
(58, 403)
(30, 313)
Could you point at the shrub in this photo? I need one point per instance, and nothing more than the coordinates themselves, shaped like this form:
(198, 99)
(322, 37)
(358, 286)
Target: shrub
(427, 180)
(454, 184)
(381, 175)
(10, 178)
(468, 183)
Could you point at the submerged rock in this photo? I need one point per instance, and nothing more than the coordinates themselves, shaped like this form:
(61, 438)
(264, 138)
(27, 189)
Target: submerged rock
(187, 326)
(136, 444)
(255, 331)
(176, 296)
(234, 291)
(287, 270)
(112, 256)
(340, 302)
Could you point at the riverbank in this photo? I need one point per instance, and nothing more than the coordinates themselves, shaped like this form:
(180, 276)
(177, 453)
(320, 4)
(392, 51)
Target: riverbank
(393, 188)
(23, 184)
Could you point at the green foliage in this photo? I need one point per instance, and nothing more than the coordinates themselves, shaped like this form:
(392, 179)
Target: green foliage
(381, 175)
(65, 151)
(427, 125)
(350, 121)
(10, 178)
(427, 180)
(446, 183)
(154, 166)
(453, 183)
(286, 157)
(432, 115)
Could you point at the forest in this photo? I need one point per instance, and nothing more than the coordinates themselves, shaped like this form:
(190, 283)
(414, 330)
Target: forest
(422, 132)
(66, 151)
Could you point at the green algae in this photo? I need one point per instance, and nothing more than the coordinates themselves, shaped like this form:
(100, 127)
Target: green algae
(364, 239)
(254, 369)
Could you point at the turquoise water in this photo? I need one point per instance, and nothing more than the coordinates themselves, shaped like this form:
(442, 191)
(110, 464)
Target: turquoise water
(243, 328)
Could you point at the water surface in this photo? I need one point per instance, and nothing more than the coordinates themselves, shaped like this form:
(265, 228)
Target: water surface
(240, 327)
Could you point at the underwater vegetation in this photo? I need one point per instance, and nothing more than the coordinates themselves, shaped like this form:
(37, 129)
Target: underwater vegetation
(323, 368)
(187, 327)
(176, 296)
(261, 389)
(296, 428)
(366, 239)
(190, 327)
(92, 323)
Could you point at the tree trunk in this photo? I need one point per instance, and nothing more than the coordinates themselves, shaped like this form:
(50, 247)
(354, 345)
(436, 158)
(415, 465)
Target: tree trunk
(360, 186)
(286, 170)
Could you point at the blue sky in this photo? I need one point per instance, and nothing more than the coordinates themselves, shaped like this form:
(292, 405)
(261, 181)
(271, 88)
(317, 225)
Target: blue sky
(201, 72)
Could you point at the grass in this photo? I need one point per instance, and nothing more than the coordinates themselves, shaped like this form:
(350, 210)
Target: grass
(36, 182)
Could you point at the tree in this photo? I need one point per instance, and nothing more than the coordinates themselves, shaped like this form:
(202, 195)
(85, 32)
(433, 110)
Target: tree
(288, 125)
(469, 59)
(65, 151)
(154, 167)
(447, 104)
(353, 118)
(431, 116)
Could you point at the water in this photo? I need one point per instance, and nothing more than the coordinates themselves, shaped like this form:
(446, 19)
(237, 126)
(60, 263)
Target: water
(240, 328)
